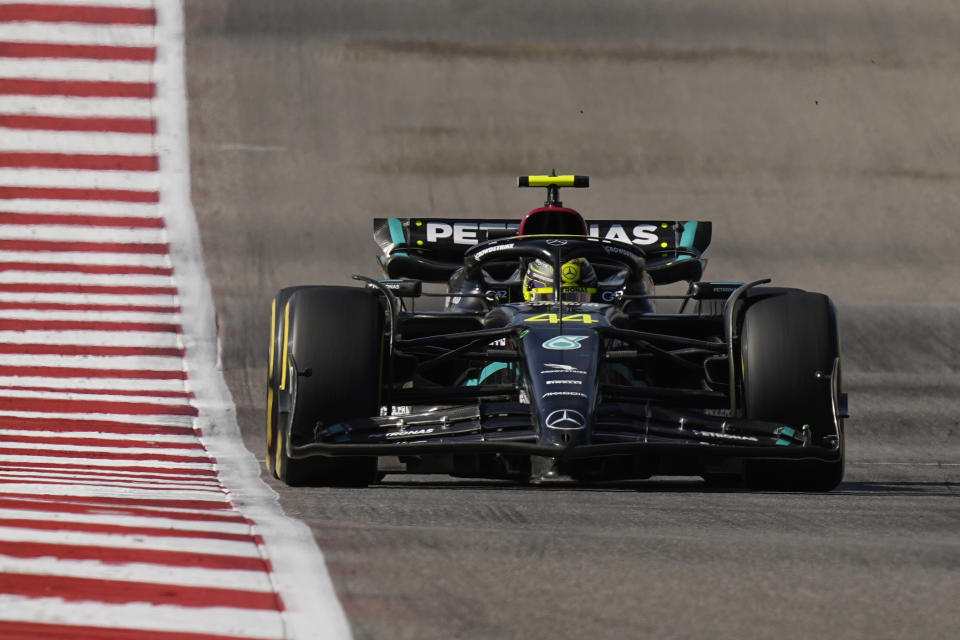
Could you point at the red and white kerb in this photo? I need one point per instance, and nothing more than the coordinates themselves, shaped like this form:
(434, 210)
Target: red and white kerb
(116, 521)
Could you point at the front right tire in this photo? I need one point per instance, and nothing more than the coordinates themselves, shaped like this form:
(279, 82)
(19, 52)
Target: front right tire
(790, 362)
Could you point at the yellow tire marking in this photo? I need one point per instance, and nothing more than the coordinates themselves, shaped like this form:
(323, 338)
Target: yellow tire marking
(286, 337)
(273, 336)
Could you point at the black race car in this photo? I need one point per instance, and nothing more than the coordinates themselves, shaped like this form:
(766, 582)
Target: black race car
(550, 360)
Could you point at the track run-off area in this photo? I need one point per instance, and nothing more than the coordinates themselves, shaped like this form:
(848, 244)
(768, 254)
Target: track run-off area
(128, 507)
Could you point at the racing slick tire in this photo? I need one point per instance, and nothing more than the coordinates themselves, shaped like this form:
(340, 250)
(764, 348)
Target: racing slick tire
(790, 355)
(327, 369)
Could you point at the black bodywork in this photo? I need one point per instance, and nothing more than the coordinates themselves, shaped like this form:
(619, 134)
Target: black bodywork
(493, 386)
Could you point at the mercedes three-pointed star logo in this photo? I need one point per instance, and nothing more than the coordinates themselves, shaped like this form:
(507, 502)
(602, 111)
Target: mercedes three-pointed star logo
(565, 420)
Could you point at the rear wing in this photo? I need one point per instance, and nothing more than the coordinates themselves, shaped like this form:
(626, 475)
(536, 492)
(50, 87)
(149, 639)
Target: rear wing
(431, 249)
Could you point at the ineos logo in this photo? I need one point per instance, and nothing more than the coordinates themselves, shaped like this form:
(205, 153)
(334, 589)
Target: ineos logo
(565, 420)
(556, 243)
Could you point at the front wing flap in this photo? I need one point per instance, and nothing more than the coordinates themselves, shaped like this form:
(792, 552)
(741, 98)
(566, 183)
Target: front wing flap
(510, 427)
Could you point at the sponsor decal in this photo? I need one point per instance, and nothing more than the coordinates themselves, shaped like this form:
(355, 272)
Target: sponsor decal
(570, 272)
(554, 318)
(564, 381)
(409, 432)
(642, 234)
(562, 368)
(565, 420)
(618, 250)
(499, 294)
(724, 436)
(494, 249)
(564, 343)
(553, 394)
(556, 242)
(610, 296)
(461, 232)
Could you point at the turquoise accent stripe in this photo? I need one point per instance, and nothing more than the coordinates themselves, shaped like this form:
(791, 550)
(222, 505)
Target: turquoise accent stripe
(396, 234)
(789, 432)
(689, 233)
(487, 371)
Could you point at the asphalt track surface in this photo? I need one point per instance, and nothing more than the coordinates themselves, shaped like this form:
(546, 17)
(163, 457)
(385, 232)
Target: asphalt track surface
(822, 139)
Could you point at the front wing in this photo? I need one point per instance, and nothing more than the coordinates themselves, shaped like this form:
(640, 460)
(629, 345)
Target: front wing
(510, 428)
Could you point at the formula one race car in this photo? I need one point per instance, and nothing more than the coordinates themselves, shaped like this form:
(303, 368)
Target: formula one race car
(550, 361)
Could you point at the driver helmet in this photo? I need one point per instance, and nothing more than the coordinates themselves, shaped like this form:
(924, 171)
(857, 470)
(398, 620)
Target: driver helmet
(578, 281)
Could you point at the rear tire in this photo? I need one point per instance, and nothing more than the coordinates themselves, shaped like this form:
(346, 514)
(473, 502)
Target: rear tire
(786, 340)
(327, 370)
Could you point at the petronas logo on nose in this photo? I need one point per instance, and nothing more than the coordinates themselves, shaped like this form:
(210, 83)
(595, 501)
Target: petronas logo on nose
(564, 343)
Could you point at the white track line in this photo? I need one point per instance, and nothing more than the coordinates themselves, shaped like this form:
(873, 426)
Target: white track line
(88, 257)
(299, 571)
(89, 397)
(162, 421)
(72, 491)
(98, 279)
(63, 106)
(81, 207)
(116, 519)
(121, 384)
(94, 316)
(110, 480)
(173, 440)
(135, 541)
(94, 70)
(80, 178)
(76, 33)
(140, 572)
(76, 142)
(105, 338)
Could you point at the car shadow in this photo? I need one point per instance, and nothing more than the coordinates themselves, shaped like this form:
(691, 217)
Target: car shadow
(685, 485)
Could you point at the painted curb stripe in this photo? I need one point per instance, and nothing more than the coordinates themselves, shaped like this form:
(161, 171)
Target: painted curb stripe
(80, 220)
(119, 555)
(100, 442)
(29, 12)
(89, 161)
(52, 123)
(68, 193)
(120, 591)
(93, 527)
(77, 88)
(59, 504)
(61, 306)
(74, 247)
(31, 630)
(16, 324)
(109, 455)
(105, 425)
(81, 51)
(115, 501)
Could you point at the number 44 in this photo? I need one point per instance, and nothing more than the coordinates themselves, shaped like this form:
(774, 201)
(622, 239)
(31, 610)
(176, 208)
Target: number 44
(554, 318)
